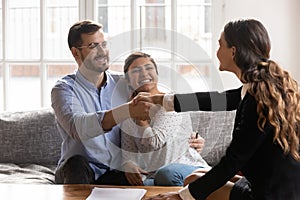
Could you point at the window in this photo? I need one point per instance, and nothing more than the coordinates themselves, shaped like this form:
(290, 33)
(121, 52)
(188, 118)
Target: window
(1, 88)
(34, 51)
(163, 29)
(2, 71)
(33, 44)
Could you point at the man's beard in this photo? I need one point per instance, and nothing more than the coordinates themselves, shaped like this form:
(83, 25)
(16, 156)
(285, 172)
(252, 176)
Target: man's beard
(91, 63)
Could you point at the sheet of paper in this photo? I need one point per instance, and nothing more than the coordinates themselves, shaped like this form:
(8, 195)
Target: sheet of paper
(116, 194)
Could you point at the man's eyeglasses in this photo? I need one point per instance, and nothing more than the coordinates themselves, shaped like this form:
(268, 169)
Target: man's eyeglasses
(93, 45)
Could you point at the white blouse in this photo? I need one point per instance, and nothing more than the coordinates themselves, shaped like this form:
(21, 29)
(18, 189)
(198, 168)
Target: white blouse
(163, 142)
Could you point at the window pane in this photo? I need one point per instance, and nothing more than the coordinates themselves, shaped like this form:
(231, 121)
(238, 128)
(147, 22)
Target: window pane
(60, 15)
(183, 78)
(55, 72)
(198, 12)
(24, 88)
(1, 36)
(155, 25)
(195, 78)
(116, 67)
(165, 76)
(23, 30)
(154, 14)
(114, 15)
(1, 88)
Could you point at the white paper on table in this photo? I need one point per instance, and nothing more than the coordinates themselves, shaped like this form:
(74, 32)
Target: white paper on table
(116, 194)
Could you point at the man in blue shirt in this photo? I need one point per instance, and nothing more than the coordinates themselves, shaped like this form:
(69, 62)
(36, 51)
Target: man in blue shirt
(88, 105)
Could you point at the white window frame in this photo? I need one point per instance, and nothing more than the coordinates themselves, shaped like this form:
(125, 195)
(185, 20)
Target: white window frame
(217, 10)
(87, 10)
(42, 62)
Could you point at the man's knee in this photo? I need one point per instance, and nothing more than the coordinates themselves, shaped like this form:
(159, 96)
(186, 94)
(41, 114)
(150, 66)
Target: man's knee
(77, 161)
(76, 169)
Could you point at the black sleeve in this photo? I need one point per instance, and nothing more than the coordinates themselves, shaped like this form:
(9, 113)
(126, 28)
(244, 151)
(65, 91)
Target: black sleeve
(247, 140)
(208, 101)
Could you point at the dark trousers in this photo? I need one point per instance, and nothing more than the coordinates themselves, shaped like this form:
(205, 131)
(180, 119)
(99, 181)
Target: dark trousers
(76, 170)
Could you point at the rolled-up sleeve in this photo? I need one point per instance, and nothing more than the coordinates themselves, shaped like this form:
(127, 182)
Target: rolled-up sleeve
(70, 114)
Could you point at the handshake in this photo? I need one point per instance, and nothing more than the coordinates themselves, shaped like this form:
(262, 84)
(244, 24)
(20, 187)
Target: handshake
(142, 107)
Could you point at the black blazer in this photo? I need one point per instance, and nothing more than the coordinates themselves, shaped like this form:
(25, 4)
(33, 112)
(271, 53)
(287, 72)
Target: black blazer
(208, 101)
(272, 174)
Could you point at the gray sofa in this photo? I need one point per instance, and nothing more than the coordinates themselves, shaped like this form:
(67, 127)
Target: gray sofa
(30, 143)
(30, 147)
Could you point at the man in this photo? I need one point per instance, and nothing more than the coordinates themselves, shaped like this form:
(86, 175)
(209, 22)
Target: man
(88, 105)
(83, 105)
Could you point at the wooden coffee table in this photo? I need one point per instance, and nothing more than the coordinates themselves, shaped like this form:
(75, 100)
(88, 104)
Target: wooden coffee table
(64, 192)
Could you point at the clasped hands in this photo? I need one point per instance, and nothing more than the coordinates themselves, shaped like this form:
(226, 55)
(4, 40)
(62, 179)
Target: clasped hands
(145, 106)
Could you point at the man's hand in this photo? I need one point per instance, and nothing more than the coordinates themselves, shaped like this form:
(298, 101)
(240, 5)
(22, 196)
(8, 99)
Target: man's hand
(142, 111)
(134, 174)
(196, 143)
(165, 196)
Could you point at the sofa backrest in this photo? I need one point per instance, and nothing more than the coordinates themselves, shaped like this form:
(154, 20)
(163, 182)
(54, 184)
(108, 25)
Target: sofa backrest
(29, 137)
(32, 136)
(216, 128)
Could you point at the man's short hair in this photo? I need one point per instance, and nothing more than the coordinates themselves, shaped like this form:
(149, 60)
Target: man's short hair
(85, 26)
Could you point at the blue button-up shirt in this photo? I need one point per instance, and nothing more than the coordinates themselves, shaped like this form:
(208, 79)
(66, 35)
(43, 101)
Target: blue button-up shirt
(79, 108)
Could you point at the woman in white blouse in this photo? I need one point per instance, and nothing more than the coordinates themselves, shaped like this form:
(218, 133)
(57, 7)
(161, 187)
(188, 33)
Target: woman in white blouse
(156, 151)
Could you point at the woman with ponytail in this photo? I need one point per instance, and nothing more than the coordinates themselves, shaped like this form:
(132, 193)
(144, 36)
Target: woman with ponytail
(265, 142)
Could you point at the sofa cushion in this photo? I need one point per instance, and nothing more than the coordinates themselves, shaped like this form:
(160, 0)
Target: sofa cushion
(29, 137)
(216, 128)
(26, 173)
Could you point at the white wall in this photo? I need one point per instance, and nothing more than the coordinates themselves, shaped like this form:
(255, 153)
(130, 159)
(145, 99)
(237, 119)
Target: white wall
(280, 17)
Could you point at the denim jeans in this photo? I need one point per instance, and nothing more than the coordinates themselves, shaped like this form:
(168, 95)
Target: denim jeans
(171, 175)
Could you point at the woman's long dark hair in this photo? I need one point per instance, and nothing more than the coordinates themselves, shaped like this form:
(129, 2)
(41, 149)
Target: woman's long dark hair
(275, 91)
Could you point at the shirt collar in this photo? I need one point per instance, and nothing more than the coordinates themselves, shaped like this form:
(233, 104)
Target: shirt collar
(82, 80)
(244, 90)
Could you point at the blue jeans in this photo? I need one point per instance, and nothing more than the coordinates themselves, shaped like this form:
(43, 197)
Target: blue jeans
(171, 175)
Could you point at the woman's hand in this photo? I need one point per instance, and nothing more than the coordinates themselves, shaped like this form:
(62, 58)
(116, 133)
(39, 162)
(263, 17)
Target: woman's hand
(165, 196)
(194, 176)
(196, 142)
(140, 110)
(143, 96)
(133, 173)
